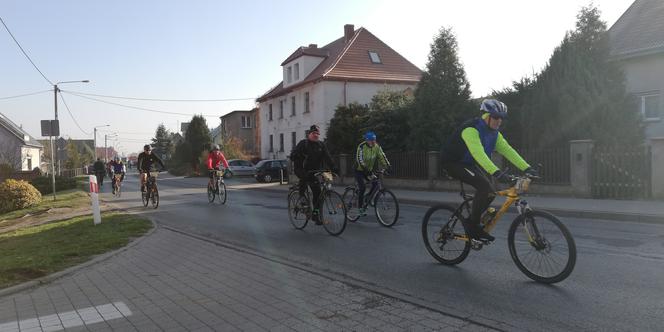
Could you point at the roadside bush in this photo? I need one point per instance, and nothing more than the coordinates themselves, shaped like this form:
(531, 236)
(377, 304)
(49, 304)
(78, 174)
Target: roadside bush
(43, 184)
(6, 171)
(17, 195)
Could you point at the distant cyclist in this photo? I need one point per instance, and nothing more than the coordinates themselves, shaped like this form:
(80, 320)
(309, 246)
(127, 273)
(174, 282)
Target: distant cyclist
(368, 158)
(117, 167)
(215, 159)
(100, 171)
(467, 157)
(147, 162)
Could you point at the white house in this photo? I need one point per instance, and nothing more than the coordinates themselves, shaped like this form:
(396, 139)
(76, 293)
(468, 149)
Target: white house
(316, 80)
(17, 147)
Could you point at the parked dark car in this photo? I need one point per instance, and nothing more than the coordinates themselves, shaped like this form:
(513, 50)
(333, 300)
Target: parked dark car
(268, 170)
(239, 167)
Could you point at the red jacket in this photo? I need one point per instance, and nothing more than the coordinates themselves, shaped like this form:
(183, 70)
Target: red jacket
(215, 158)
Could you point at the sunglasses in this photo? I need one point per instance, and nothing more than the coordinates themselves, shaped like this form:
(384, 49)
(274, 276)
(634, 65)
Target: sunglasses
(496, 117)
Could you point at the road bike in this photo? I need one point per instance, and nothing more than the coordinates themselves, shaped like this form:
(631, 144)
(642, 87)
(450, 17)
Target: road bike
(217, 189)
(539, 243)
(384, 202)
(151, 193)
(332, 211)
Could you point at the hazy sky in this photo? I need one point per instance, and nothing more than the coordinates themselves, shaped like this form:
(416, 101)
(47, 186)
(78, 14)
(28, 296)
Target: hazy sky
(229, 50)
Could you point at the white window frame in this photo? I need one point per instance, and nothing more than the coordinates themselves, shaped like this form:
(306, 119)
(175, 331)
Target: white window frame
(246, 121)
(289, 74)
(642, 105)
(297, 71)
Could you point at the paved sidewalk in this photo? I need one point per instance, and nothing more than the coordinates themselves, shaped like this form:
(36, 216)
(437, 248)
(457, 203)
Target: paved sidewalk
(174, 282)
(643, 211)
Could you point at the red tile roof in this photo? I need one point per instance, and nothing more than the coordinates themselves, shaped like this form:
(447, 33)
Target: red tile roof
(350, 62)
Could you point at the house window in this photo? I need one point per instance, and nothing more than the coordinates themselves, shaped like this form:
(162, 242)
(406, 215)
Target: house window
(271, 144)
(293, 140)
(289, 74)
(281, 142)
(374, 57)
(297, 71)
(649, 105)
(246, 121)
(292, 106)
(30, 162)
(306, 102)
(281, 109)
(269, 114)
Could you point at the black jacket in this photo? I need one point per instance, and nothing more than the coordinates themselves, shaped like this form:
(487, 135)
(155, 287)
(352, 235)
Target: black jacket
(147, 161)
(309, 156)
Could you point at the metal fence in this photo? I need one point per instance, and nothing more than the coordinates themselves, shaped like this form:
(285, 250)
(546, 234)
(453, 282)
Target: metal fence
(555, 164)
(408, 165)
(70, 173)
(621, 173)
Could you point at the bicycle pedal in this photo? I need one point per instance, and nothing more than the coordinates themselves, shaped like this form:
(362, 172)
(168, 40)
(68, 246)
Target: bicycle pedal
(478, 244)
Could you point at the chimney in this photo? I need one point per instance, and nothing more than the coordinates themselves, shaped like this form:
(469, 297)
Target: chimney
(313, 45)
(349, 31)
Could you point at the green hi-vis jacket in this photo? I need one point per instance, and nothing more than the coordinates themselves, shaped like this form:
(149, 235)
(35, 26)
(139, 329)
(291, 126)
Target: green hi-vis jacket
(367, 157)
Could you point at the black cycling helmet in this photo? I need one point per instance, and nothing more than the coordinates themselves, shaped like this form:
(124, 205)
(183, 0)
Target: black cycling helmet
(147, 147)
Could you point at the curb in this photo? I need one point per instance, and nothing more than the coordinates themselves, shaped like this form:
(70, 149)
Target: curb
(57, 275)
(614, 216)
(486, 323)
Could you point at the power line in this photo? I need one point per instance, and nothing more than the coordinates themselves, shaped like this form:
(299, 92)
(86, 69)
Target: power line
(27, 94)
(155, 99)
(136, 108)
(126, 132)
(72, 116)
(24, 53)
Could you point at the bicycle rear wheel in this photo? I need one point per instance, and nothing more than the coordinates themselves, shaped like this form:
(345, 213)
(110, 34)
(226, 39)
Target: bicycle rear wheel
(210, 193)
(386, 207)
(350, 200)
(542, 247)
(333, 213)
(441, 232)
(297, 209)
(222, 195)
(155, 198)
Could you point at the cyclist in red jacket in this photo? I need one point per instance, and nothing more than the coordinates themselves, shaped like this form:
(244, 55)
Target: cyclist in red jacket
(215, 159)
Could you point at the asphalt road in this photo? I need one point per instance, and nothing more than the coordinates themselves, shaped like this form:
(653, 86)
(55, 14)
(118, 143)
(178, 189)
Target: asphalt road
(618, 282)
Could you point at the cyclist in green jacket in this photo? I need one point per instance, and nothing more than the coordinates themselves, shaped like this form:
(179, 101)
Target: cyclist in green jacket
(466, 156)
(368, 158)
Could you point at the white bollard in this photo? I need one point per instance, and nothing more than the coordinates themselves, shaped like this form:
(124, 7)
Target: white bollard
(94, 195)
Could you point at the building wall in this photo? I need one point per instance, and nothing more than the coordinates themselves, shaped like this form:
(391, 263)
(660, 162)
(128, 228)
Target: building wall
(644, 75)
(307, 65)
(10, 147)
(30, 157)
(233, 128)
(324, 98)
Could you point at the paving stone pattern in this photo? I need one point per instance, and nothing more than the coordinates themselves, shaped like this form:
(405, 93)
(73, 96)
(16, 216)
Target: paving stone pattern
(173, 282)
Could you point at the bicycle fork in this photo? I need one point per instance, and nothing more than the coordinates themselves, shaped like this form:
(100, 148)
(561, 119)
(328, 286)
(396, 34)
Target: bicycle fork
(534, 236)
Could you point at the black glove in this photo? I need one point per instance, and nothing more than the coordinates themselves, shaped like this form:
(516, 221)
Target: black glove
(531, 172)
(335, 170)
(501, 176)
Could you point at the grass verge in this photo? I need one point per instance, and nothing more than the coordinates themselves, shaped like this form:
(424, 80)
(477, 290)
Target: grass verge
(34, 252)
(74, 198)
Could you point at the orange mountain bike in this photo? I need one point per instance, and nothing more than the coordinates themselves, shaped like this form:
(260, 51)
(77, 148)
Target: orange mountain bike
(540, 245)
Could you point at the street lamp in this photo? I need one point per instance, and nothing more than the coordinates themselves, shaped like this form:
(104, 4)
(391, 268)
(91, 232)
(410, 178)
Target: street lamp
(95, 130)
(55, 92)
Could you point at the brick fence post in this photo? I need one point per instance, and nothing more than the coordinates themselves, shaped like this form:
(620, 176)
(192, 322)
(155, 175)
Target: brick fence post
(657, 166)
(580, 166)
(433, 163)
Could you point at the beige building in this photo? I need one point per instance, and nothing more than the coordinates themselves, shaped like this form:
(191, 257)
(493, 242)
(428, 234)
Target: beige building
(241, 125)
(17, 147)
(316, 80)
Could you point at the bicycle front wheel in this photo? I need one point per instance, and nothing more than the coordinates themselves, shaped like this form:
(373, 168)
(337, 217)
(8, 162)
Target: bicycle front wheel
(333, 213)
(350, 199)
(145, 197)
(386, 207)
(297, 210)
(155, 198)
(222, 194)
(210, 194)
(542, 247)
(444, 235)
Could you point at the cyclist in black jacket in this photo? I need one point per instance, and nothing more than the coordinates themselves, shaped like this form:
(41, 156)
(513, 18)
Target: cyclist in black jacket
(309, 155)
(146, 163)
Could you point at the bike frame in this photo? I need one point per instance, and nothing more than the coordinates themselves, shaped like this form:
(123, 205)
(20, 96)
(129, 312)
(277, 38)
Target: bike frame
(512, 198)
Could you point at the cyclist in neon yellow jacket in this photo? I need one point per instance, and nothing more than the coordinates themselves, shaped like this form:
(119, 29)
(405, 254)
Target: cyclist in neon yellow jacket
(467, 157)
(369, 157)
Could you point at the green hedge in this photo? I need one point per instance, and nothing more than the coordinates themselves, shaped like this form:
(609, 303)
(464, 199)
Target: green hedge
(43, 184)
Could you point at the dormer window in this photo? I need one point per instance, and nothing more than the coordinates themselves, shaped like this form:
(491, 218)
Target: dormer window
(289, 74)
(297, 71)
(374, 57)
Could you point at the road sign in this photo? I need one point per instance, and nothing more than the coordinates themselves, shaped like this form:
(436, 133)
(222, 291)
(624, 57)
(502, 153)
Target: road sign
(50, 128)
